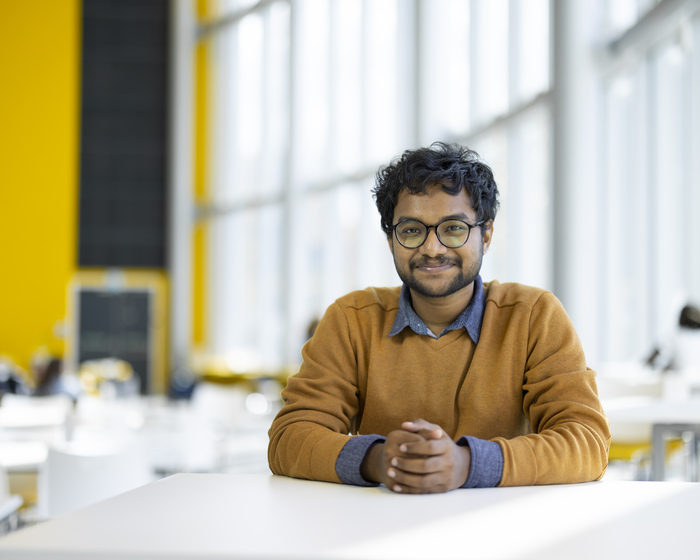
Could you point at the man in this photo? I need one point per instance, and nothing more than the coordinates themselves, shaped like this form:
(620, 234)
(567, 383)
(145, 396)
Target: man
(446, 382)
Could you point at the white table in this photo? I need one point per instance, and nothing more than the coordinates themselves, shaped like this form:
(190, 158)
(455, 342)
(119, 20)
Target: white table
(207, 516)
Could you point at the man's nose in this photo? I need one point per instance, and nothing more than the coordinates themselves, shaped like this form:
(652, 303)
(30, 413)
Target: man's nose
(432, 245)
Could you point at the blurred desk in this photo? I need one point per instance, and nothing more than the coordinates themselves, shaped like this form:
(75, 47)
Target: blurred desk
(651, 410)
(662, 416)
(30, 418)
(200, 516)
(22, 455)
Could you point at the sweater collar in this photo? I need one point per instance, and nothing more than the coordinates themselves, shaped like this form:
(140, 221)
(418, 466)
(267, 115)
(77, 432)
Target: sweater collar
(470, 318)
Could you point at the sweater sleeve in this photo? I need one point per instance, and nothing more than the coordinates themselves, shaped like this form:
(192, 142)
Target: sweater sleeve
(486, 468)
(320, 405)
(349, 463)
(570, 434)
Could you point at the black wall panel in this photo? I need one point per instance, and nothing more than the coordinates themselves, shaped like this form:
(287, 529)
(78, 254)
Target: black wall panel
(117, 325)
(123, 133)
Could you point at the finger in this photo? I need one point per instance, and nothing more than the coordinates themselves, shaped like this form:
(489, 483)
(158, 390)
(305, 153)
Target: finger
(424, 448)
(400, 489)
(419, 424)
(421, 466)
(423, 428)
(408, 483)
(398, 438)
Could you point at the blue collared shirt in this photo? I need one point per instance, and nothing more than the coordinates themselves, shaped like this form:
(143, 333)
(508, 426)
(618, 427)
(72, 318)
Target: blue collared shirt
(469, 319)
(486, 467)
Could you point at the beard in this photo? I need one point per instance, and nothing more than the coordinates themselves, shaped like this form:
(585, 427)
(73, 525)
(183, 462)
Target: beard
(463, 279)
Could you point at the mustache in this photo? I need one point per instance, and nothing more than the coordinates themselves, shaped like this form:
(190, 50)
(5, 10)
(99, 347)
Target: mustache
(425, 261)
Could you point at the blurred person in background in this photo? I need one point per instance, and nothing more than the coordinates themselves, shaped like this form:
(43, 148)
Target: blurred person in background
(681, 349)
(52, 380)
(12, 379)
(448, 381)
(686, 351)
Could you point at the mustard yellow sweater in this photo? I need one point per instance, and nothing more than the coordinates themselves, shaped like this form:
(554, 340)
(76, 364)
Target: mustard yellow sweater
(525, 385)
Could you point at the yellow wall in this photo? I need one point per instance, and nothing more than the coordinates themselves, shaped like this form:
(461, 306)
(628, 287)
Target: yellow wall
(39, 128)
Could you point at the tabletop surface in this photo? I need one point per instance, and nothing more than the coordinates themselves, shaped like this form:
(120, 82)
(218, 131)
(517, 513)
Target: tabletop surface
(203, 516)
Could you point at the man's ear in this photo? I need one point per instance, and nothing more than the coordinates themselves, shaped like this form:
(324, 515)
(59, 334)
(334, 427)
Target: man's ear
(486, 234)
(389, 240)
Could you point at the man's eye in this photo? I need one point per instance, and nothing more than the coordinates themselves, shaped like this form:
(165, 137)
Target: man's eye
(455, 229)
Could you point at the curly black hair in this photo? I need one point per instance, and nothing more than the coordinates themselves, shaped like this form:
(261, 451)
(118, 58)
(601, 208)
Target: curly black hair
(451, 166)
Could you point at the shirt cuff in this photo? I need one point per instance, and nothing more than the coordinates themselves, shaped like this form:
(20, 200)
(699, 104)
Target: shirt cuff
(486, 469)
(349, 461)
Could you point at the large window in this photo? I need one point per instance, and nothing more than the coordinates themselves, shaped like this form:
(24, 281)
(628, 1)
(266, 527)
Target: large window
(651, 181)
(310, 97)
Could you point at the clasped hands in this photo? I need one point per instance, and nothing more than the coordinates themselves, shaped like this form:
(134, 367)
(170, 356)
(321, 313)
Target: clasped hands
(420, 458)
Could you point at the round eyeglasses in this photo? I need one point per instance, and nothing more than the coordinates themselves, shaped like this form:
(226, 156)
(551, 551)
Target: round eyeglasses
(451, 233)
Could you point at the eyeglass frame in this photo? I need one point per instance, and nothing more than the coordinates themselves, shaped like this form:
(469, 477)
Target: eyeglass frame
(435, 227)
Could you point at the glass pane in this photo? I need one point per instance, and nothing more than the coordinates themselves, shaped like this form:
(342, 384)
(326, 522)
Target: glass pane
(245, 305)
(532, 51)
(271, 161)
(346, 77)
(376, 267)
(490, 26)
(671, 175)
(529, 201)
(620, 15)
(250, 97)
(223, 126)
(341, 249)
(265, 314)
(380, 61)
(249, 86)
(492, 146)
(306, 265)
(627, 293)
(312, 93)
(238, 95)
(445, 93)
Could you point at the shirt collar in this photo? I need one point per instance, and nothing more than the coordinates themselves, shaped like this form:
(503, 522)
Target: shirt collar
(470, 318)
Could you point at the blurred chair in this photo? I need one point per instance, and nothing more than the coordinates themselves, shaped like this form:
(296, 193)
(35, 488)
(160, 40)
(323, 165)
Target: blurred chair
(104, 419)
(630, 442)
(215, 412)
(82, 474)
(223, 405)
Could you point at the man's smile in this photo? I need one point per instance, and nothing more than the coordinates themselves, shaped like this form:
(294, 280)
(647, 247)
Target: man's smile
(434, 266)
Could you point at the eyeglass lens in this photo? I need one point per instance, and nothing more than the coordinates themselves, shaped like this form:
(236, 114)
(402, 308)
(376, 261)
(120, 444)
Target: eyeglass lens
(451, 233)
